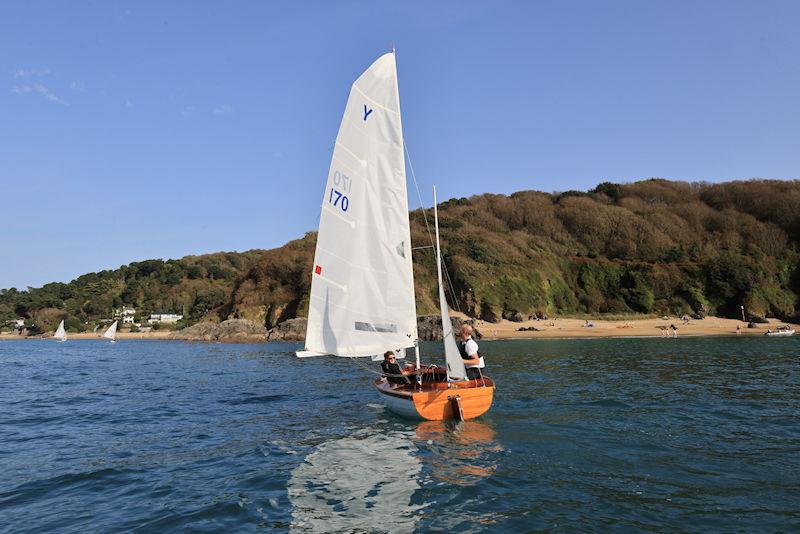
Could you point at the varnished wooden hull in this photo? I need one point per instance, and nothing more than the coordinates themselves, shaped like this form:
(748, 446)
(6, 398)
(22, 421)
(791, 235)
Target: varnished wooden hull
(434, 402)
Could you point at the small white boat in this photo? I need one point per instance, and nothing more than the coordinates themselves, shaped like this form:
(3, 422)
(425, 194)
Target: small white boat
(781, 331)
(61, 333)
(111, 333)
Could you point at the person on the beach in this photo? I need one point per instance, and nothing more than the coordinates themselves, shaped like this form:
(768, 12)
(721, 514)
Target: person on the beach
(468, 348)
(391, 369)
(674, 330)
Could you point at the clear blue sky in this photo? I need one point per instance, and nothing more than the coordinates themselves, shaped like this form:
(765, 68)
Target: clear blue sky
(135, 130)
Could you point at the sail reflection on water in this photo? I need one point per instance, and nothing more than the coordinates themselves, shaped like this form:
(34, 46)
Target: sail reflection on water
(362, 482)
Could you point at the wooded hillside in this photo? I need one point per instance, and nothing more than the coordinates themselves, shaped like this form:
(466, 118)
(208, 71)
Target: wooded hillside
(653, 246)
(648, 247)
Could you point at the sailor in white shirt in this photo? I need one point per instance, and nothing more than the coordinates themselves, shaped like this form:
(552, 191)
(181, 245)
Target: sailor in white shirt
(473, 361)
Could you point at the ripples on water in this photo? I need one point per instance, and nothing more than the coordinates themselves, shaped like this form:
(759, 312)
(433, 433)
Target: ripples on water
(637, 434)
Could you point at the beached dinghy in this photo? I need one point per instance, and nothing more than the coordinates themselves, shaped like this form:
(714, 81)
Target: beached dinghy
(111, 333)
(61, 332)
(781, 331)
(362, 283)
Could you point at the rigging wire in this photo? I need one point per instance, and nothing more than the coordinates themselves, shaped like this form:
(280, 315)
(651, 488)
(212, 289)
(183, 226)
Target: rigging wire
(418, 372)
(367, 368)
(450, 285)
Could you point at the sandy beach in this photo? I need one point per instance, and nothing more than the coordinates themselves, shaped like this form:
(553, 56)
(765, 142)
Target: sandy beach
(577, 328)
(550, 328)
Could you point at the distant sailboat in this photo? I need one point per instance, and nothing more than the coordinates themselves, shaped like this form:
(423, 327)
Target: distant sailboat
(362, 284)
(111, 333)
(61, 333)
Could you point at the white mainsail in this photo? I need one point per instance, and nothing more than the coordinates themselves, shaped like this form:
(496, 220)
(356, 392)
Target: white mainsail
(362, 283)
(111, 333)
(61, 333)
(455, 364)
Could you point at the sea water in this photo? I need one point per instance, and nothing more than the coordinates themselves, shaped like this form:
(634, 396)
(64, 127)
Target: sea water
(687, 434)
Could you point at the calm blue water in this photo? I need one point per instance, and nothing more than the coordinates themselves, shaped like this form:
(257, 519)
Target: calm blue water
(697, 434)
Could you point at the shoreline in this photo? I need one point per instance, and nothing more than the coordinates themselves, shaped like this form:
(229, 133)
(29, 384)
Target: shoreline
(160, 336)
(568, 328)
(558, 328)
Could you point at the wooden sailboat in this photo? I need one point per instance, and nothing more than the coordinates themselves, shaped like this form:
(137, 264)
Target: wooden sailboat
(111, 332)
(362, 285)
(61, 332)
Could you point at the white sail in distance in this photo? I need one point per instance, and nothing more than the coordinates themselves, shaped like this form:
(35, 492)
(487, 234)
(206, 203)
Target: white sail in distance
(111, 332)
(362, 281)
(61, 333)
(455, 364)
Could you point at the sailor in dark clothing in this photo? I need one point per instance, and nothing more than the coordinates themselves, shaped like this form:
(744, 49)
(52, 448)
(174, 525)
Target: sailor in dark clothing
(468, 348)
(390, 367)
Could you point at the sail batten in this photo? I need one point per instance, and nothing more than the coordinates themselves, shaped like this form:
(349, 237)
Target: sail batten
(362, 282)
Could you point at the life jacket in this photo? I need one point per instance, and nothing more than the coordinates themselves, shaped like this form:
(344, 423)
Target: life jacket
(394, 369)
(391, 368)
(462, 349)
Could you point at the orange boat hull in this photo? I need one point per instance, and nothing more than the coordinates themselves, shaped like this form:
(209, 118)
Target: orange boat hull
(435, 402)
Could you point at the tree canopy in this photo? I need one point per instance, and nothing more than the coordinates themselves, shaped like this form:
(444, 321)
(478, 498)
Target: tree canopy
(653, 246)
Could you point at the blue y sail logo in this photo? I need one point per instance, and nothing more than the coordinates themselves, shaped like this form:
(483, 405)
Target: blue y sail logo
(367, 112)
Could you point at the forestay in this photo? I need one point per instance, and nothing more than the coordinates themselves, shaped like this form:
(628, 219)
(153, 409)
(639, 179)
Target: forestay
(362, 283)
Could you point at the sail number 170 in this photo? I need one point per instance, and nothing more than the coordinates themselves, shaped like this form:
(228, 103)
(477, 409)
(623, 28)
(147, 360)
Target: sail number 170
(339, 198)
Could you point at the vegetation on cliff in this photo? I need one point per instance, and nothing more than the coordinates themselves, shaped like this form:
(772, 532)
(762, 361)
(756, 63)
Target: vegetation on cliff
(195, 286)
(654, 246)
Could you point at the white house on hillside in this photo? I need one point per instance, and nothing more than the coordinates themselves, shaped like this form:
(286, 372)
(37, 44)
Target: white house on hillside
(125, 314)
(165, 318)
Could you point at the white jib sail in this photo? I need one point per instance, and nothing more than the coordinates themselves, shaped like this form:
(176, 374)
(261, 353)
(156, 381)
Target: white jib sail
(455, 364)
(61, 333)
(111, 333)
(362, 282)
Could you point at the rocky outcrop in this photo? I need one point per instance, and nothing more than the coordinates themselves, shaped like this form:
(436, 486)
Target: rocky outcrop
(514, 316)
(429, 327)
(236, 330)
(489, 314)
(289, 330)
